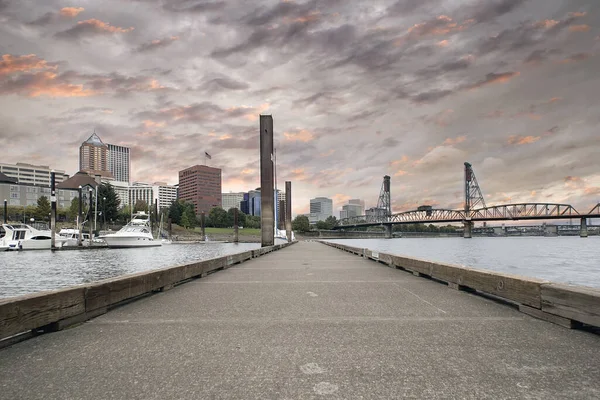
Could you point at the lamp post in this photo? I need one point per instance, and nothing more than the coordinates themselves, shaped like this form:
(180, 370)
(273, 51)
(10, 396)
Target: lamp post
(90, 215)
(79, 222)
(104, 211)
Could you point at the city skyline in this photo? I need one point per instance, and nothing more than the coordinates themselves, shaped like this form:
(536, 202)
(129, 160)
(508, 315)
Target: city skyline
(407, 88)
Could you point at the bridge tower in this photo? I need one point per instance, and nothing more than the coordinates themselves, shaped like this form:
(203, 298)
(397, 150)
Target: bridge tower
(384, 204)
(473, 198)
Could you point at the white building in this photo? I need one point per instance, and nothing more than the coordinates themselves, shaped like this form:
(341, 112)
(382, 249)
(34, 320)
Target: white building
(232, 200)
(354, 208)
(28, 174)
(320, 209)
(165, 194)
(141, 191)
(119, 162)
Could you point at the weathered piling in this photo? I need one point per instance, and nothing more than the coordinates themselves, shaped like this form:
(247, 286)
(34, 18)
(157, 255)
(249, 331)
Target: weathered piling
(288, 210)
(266, 181)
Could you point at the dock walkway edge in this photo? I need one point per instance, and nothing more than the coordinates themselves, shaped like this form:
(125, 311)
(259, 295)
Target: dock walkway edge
(28, 315)
(565, 305)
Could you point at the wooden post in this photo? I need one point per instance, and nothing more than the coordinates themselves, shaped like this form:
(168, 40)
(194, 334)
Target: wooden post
(267, 200)
(53, 210)
(236, 238)
(202, 225)
(90, 217)
(170, 228)
(79, 217)
(281, 223)
(5, 211)
(288, 210)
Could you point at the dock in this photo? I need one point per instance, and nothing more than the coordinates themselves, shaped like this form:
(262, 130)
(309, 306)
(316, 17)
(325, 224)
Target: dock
(308, 321)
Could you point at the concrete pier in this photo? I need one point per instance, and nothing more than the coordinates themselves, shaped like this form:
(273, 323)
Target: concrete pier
(388, 231)
(307, 322)
(468, 229)
(583, 230)
(267, 206)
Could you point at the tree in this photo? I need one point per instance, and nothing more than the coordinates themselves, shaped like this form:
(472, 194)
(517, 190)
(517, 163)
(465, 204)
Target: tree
(74, 209)
(252, 222)
(231, 217)
(301, 224)
(331, 222)
(43, 208)
(175, 211)
(322, 225)
(190, 214)
(124, 215)
(140, 205)
(110, 206)
(185, 222)
(218, 217)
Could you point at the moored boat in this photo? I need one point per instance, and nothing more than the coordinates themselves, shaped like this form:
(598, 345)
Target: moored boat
(135, 234)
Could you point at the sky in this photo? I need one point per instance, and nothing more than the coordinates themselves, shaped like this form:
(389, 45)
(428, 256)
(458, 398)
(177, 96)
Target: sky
(357, 90)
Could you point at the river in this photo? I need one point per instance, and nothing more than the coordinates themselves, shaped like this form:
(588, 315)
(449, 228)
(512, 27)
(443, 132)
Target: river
(27, 272)
(571, 260)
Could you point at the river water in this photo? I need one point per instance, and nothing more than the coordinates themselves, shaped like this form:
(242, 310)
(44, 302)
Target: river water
(27, 272)
(571, 260)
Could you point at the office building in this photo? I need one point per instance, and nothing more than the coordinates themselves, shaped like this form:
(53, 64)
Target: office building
(251, 203)
(201, 186)
(232, 200)
(28, 174)
(119, 162)
(93, 157)
(163, 193)
(320, 209)
(354, 208)
(139, 191)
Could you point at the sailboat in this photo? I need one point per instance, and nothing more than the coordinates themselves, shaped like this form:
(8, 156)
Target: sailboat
(280, 235)
(166, 240)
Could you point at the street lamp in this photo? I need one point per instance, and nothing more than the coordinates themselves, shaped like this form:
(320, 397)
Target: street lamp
(104, 211)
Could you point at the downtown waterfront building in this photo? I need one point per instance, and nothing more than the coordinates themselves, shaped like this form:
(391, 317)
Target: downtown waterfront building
(201, 186)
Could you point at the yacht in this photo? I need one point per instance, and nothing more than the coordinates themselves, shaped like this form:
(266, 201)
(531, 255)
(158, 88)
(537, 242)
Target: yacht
(135, 234)
(71, 237)
(25, 237)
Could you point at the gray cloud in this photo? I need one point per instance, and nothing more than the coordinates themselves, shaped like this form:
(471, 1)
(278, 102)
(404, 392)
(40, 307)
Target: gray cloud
(490, 10)
(193, 6)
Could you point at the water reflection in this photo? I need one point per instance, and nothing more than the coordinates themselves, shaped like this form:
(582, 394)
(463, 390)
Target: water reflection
(557, 259)
(33, 271)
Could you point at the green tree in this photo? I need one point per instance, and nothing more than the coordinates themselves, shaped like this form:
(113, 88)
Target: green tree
(185, 222)
(231, 217)
(190, 214)
(218, 217)
(301, 224)
(175, 211)
(108, 202)
(322, 225)
(124, 215)
(43, 209)
(331, 222)
(74, 209)
(140, 205)
(252, 222)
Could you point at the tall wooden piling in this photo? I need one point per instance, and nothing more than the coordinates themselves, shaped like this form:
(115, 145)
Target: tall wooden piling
(202, 226)
(288, 210)
(235, 226)
(5, 211)
(53, 210)
(266, 181)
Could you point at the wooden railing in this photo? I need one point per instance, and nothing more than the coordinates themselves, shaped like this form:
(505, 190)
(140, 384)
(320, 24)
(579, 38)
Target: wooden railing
(566, 305)
(55, 310)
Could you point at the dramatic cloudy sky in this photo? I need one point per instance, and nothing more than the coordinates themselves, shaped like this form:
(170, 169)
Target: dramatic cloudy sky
(357, 90)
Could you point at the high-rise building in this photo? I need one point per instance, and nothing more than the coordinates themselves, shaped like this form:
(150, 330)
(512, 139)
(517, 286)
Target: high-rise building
(320, 209)
(27, 174)
(93, 156)
(232, 200)
(251, 203)
(164, 194)
(201, 185)
(139, 191)
(354, 208)
(119, 162)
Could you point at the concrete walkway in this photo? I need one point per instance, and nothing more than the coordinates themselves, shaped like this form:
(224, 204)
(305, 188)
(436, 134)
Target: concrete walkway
(307, 322)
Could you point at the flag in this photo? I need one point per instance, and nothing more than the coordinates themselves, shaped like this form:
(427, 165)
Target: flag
(207, 155)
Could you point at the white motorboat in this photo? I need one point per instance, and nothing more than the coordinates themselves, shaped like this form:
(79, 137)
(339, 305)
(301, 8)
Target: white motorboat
(71, 238)
(135, 234)
(25, 237)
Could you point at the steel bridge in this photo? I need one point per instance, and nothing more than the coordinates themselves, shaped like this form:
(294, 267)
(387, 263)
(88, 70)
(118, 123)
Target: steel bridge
(475, 211)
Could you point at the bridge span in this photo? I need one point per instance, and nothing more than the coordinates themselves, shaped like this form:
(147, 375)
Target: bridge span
(475, 210)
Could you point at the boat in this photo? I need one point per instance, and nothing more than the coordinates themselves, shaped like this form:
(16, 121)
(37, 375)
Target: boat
(135, 234)
(71, 237)
(26, 237)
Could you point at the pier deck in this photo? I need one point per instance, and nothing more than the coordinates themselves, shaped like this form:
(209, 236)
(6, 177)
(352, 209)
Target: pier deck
(305, 322)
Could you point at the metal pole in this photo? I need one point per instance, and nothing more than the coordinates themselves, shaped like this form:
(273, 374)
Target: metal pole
(5, 211)
(79, 217)
(235, 226)
(266, 181)
(53, 210)
(288, 210)
(104, 212)
(90, 216)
